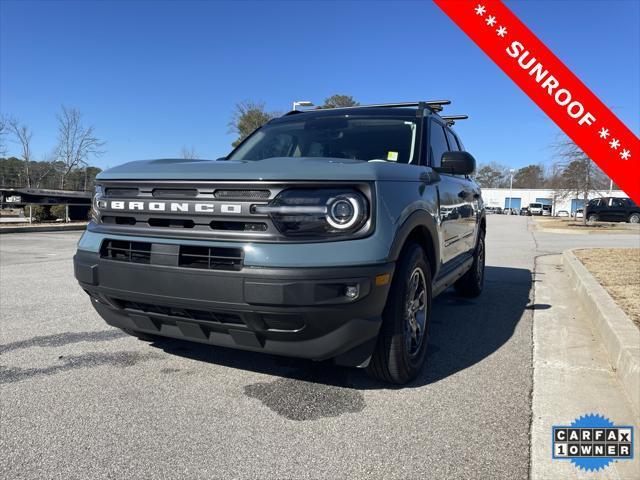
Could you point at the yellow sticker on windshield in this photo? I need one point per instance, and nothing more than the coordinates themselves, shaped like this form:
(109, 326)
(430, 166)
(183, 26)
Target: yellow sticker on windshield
(393, 156)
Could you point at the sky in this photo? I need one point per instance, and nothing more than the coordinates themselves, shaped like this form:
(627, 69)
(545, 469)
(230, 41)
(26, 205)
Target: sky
(153, 77)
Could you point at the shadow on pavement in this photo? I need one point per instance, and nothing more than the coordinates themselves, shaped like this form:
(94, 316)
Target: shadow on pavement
(462, 333)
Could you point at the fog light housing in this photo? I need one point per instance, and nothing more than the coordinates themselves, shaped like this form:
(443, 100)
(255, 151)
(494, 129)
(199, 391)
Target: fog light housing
(351, 291)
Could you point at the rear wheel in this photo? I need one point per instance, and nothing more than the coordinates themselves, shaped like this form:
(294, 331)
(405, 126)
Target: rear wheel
(402, 342)
(471, 283)
(634, 218)
(592, 218)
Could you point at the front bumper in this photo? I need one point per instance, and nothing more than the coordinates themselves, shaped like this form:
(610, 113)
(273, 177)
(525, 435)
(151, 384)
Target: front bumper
(300, 312)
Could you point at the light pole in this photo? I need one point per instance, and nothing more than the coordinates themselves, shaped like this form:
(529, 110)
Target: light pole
(511, 171)
(302, 103)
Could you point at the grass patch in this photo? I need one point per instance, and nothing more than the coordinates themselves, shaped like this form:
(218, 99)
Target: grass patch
(571, 224)
(618, 271)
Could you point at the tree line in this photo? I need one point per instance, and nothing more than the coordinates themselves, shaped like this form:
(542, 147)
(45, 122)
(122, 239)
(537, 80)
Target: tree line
(66, 167)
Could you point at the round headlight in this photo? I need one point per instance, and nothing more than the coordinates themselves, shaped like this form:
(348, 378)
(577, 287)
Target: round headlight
(343, 212)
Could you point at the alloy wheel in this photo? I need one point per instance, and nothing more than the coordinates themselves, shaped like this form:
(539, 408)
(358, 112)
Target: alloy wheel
(415, 312)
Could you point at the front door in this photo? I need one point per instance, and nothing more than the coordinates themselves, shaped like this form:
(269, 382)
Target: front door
(456, 195)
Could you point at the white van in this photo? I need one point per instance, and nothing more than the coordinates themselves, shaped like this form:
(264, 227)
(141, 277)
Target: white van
(535, 208)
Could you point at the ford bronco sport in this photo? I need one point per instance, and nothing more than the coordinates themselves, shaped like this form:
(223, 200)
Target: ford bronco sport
(325, 235)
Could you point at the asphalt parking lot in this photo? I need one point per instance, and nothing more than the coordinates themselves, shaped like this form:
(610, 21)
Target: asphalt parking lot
(82, 400)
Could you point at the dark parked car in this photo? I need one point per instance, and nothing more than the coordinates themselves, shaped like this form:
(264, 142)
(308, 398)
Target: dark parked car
(612, 209)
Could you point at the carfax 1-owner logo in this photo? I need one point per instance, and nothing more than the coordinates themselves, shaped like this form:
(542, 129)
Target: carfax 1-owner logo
(592, 442)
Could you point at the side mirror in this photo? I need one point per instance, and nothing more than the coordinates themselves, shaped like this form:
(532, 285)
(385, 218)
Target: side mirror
(457, 163)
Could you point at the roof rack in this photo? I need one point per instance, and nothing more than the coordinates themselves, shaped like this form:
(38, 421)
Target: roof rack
(434, 105)
(451, 119)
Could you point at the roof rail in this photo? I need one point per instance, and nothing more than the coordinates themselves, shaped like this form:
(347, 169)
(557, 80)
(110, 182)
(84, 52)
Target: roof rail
(434, 105)
(451, 119)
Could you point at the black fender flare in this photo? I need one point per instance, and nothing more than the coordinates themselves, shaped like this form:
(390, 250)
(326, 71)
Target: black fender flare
(419, 218)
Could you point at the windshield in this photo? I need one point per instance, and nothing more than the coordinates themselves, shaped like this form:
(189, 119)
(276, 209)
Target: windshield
(535, 205)
(358, 138)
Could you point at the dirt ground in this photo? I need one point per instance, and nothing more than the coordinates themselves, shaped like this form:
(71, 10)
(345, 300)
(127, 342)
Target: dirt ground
(618, 271)
(576, 225)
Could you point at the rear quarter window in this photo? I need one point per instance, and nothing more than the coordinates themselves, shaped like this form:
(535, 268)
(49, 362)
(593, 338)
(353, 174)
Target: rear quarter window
(437, 143)
(453, 141)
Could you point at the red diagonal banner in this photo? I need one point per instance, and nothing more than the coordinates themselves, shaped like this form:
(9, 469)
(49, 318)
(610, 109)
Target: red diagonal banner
(552, 86)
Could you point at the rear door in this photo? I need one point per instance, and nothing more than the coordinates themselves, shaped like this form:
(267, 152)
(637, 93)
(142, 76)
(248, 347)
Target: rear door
(617, 211)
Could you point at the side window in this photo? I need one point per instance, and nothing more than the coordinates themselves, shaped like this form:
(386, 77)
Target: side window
(453, 143)
(616, 202)
(437, 143)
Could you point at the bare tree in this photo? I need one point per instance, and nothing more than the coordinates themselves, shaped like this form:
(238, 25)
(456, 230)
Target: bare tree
(76, 143)
(188, 153)
(492, 175)
(23, 136)
(4, 130)
(579, 174)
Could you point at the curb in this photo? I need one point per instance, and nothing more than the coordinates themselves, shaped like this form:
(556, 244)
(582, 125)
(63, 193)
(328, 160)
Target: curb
(617, 332)
(51, 228)
(570, 232)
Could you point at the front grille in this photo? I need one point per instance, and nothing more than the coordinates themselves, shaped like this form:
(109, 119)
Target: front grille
(175, 192)
(186, 256)
(242, 194)
(125, 251)
(190, 210)
(179, 312)
(171, 223)
(212, 258)
(121, 192)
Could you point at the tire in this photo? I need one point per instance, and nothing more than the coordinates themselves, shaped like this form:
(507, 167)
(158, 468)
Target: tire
(471, 283)
(592, 218)
(140, 336)
(634, 218)
(402, 342)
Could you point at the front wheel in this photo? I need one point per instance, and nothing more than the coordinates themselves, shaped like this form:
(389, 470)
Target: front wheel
(634, 218)
(402, 342)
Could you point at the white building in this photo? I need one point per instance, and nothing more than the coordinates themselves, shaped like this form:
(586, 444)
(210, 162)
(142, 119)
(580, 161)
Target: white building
(522, 197)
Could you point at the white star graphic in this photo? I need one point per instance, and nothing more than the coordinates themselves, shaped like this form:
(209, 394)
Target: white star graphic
(604, 133)
(491, 20)
(615, 143)
(480, 10)
(501, 31)
(625, 154)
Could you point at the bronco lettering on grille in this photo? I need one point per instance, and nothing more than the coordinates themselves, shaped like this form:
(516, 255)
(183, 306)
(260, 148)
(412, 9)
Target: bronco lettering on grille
(185, 207)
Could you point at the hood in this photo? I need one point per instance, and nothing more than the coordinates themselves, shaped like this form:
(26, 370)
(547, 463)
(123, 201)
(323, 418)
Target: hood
(273, 169)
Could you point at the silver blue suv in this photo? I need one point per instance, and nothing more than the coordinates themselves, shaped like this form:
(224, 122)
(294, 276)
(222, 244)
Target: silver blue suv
(325, 235)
